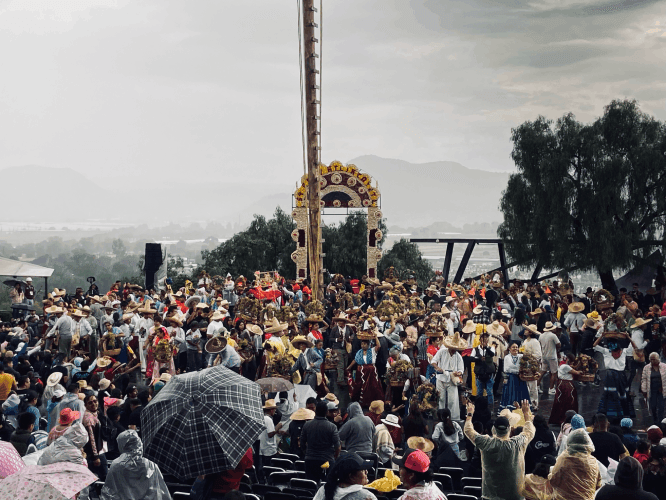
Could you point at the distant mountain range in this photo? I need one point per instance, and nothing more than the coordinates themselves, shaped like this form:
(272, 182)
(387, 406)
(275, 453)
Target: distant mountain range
(418, 194)
(412, 195)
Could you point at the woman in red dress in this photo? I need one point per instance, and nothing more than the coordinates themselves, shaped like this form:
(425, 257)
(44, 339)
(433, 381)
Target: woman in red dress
(364, 386)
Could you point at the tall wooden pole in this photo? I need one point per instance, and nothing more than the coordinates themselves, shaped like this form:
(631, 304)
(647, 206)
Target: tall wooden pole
(312, 133)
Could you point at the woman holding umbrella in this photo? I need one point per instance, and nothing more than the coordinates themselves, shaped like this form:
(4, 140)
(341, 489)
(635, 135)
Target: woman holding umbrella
(364, 387)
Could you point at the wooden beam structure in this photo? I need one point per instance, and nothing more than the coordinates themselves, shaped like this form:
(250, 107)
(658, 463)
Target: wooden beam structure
(312, 115)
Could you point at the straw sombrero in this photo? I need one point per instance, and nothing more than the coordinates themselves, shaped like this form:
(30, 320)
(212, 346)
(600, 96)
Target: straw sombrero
(342, 317)
(495, 328)
(300, 339)
(420, 443)
(314, 318)
(276, 326)
(470, 326)
(215, 345)
(576, 307)
(455, 342)
(103, 362)
(269, 404)
(302, 414)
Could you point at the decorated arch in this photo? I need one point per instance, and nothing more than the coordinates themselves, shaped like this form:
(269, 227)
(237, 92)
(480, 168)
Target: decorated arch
(341, 186)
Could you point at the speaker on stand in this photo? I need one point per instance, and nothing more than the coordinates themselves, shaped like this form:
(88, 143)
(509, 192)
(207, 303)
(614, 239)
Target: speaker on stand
(152, 264)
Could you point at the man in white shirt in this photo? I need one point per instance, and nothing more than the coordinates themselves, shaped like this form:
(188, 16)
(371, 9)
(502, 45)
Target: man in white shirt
(448, 364)
(550, 350)
(63, 329)
(574, 321)
(268, 447)
(637, 335)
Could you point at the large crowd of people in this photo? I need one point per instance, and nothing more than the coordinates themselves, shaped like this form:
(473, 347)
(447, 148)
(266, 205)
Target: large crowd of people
(418, 378)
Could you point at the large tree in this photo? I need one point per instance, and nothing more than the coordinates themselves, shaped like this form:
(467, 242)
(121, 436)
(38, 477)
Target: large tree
(264, 246)
(346, 245)
(587, 196)
(407, 260)
(267, 246)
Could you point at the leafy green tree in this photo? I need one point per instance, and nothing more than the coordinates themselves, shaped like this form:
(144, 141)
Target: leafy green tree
(118, 248)
(264, 246)
(587, 196)
(407, 260)
(176, 271)
(345, 245)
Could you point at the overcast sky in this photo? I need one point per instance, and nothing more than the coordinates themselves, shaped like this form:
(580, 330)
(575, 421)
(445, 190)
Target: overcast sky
(187, 89)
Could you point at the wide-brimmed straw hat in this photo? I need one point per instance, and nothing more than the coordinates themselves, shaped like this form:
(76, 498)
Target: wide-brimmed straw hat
(420, 443)
(175, 319)
(495, 328)
(269, 404)
(576, 307)
(640, 322)
(331, 398)
(217, 316)
(194, 298)
(470, 326)
(53, 379)
(300, 340)
(302, 414)
(215, 345)
(590, 323)
(342, 317)
(104, 361)
(533, 329)
(314, 318)
(477, 310)
(551, 327)
(377, 407)
(455, 341)
(276, 326)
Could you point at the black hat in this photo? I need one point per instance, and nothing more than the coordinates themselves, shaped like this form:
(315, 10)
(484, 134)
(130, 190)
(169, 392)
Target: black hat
(350, 462)
(502, 424)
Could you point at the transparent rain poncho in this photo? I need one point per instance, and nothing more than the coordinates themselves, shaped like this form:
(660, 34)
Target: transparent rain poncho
(132, 477)
(67, 448)
(576, 475)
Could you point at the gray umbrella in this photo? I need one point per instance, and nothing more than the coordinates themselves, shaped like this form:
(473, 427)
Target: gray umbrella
(202, 422)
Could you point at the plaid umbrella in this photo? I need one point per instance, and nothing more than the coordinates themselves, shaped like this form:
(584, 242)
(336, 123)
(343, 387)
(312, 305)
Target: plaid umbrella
(275, 384)
(10, 460)
(59, 481)
(202, 422)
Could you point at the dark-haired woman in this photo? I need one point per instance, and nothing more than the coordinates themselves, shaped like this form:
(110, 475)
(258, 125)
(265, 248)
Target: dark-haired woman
(345, 480)
(566, 397)
(447, 431)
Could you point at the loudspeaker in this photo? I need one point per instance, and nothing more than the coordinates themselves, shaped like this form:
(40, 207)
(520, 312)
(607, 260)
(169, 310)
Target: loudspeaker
(153, 256)
(153, 261)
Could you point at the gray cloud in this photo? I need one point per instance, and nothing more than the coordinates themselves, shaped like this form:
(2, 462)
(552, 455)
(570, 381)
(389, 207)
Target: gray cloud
(167, 91)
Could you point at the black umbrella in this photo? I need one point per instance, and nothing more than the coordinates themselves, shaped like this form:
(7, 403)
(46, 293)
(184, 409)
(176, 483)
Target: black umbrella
(202, 422)
(12, 283)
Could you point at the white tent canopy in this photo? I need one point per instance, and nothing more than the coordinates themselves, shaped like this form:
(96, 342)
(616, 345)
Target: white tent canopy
(18, 269)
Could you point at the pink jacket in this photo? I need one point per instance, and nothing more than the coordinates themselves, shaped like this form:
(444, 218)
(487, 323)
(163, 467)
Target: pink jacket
(645, 379)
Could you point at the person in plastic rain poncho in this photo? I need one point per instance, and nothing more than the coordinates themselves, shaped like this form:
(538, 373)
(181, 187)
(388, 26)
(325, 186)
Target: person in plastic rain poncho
(576, 474)
(67, 448)
(132, 477)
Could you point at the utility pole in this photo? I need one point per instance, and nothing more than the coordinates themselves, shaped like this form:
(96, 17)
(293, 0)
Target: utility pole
(310, 56)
